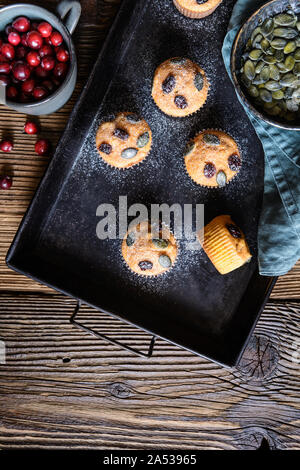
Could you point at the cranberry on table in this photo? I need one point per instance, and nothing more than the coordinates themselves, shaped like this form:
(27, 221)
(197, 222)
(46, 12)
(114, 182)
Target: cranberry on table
(21, 52)
(34, 40)
(5, 67)
(24, 98)
(60, 70)
(21, 71)
(33, 58)
(9, 29)
(4, 79)
(42, 147)
(40, 72)
(6, 145)
(39, 93)
(8, 51)
(24, 39)
(21, 24)
(62, 54)
(14, 38)
(31, 128)
(48, 63)
(28, 86)
(5, 182)
(45, 29)
(56, 39)
(46, 50)
(11, 92)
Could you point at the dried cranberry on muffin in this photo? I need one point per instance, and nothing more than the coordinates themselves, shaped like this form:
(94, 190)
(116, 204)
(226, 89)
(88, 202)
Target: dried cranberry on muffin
(225, 244)
(148, 252)
(125, 141)
(196, 8)
(212, 158)
(180, 87)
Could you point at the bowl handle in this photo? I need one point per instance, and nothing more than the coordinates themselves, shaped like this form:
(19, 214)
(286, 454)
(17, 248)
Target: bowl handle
(73, 10)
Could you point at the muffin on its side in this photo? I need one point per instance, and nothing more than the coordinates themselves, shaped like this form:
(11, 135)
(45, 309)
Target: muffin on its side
(125, 141)
(225, 244)
(196, 8)
(212, 158)
(180, 87)
(147, 252)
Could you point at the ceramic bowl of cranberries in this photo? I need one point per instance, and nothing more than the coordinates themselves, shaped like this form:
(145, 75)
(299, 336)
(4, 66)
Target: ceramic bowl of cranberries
(38, 65)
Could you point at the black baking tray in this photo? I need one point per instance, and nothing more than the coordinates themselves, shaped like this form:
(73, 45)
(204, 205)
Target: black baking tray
(192, 305)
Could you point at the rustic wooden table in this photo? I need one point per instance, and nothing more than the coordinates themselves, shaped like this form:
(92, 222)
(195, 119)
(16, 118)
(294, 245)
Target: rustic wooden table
(62, 388)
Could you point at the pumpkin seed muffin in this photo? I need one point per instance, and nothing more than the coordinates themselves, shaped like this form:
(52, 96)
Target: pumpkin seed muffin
(147, 252)
(180, 87)
(196, 8)
(212, 158)
(125, 141)
(225, 244)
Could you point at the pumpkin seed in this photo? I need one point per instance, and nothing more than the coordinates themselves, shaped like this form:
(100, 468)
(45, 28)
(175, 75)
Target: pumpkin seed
(265, 74)
(253, 91)
(133, 118)
(269, 105)
(246, 82)
(271, 50)
(274, 111)
(255, 54)
(264, 45)
(274, 72)
(143, 140)
(298, 25)
(297, 41)
(129, 153)
(292, 106)
(189, 148)
(165, 261)
(265, 95)
(267, 27)
(278, 43)
(249, 70)
(160, 243)
(259, 66)
(288, 80)
(287, 33)
(221, 179)
(296, 96)
(199, 81)
(130, 239)
(269, 59)
(279, 56)
(278, 95)
(257, 80)
(211, 139)
(288, 94)
(297, 55)
(282, 67)
(290, 47)
(255, 32)
(284, 19)
(272, 85)
(289, 63)
(256, 41)
(297, 69)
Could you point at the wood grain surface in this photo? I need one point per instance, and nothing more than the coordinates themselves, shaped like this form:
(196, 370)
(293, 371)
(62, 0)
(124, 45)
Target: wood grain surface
(62, 388)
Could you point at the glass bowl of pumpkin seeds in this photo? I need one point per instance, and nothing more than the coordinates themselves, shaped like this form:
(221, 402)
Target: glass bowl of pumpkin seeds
(265, 63)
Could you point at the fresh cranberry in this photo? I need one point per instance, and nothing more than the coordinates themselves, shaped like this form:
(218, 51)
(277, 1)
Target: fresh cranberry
(48, 63)
(3, 58)
(5, 182)
(8, 51)
(11, 92)
(39, 93)
(42, 147)
(6, 146)
(33, 58)
(48, 41)
(24, 39)
(48, 84)
(60, 70)
(28, 86)
(34, 40)
(21, 71)
(24, 98)
(55, 81)
(56, 38)
(62, 54)
(46, 50)
(4, 79)
(31, 128)
(45, 29)
(4, 67)
(14, 38)
(34, 25)
(9, 29)
(40, 72)
(21, 52)
(21, 24)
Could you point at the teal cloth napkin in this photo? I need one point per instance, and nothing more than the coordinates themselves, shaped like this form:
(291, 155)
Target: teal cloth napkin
(279, 225)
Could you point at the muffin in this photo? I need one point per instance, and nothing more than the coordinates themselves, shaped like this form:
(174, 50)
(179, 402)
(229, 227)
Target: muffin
(225, 244)
(196, 8)
(147, 252)
(125, 141)
(180, 87)
(212, 158)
